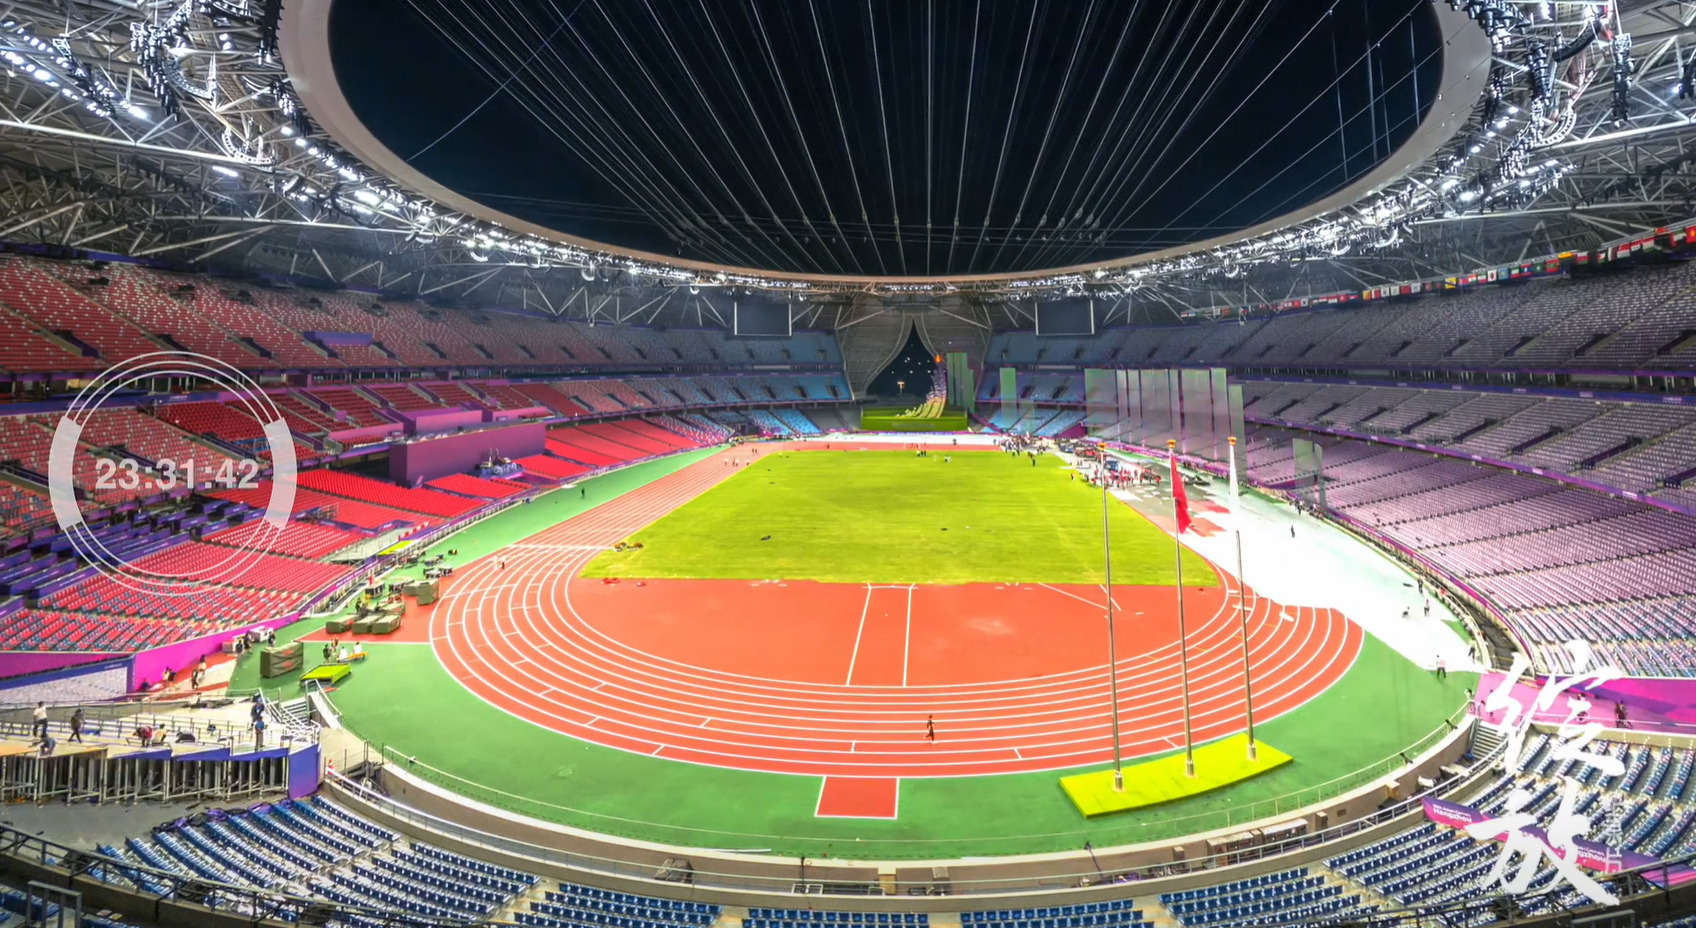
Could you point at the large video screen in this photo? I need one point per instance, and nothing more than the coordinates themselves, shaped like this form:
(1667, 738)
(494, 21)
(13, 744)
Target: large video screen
(760, 318)
(1065, 317)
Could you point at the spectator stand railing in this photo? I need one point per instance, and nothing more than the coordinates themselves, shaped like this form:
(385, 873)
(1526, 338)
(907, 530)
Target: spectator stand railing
(26, 858)
(616, 829)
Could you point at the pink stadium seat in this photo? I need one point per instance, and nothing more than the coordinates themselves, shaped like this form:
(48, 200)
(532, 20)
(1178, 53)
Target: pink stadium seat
(297, 539)
(553, 468)
(330, 508)
(480, 487)
(386, 494)
(51, 630)
(360, 409)
(24, 349)
(31, 289)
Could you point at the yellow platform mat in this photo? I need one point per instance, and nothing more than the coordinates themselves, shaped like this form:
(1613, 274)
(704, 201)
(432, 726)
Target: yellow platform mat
(1217, 765)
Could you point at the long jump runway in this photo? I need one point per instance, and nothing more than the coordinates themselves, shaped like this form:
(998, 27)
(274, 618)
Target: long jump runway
(838, 680)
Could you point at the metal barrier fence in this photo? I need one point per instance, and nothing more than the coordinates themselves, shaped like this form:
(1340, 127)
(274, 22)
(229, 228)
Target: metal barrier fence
(119, 718)
(70, 864)
(631, 868)
(49, 868)
(890, 848)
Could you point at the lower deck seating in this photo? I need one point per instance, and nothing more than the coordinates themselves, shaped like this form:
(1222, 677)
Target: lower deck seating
(815, 918)
(328, 508)
(1288, 896)
(1119, 914)
(297, 539)
(769, 424)
(223, 605)
(353, 486)
(551, 467)
(251, 569)
(591, 446)
(54, 630)
(479, 487)
(316, 847)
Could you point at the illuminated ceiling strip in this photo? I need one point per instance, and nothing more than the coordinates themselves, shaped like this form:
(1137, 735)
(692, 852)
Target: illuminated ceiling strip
(125, 143)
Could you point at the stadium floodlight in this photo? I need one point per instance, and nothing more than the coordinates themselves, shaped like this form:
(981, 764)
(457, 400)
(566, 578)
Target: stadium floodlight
(227, 172)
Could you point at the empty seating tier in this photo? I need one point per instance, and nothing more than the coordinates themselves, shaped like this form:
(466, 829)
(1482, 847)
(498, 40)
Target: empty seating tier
(482, 488)
(296, 539)
(327, 508)
(356, 487)
(51, 630)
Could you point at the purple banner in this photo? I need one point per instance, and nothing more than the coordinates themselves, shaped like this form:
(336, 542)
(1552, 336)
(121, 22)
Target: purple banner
(420, 422)
(23, 663)
(1451, 814)
(304, 772)
(339, 338)
(148, 665)
(1652, 704)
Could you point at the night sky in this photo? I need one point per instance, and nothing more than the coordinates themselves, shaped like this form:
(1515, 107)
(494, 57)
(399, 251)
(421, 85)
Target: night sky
(849, 136)
(914, 366)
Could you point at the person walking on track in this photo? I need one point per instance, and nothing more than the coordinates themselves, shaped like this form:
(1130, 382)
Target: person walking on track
(930, 729)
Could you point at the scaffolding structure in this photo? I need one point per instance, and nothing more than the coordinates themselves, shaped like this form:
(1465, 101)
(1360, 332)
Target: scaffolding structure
(165, 773)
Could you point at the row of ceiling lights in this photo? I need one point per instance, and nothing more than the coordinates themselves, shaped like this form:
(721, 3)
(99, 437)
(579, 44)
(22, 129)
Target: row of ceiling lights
(1377, 224)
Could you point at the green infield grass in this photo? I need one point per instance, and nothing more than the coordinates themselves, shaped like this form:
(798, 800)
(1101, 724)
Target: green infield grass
(894, 517)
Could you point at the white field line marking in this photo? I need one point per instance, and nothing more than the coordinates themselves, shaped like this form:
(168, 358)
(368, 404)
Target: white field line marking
(852, 658)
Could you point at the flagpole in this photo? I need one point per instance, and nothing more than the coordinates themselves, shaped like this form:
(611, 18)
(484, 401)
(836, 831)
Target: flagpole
(1242, 594)
(1183, 650)
(1112, 644)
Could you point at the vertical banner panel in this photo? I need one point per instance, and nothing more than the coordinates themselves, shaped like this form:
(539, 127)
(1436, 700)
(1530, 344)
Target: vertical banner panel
(1121, 413)
(958, 369)
(1221, 396)
(1101, 401)
(1155, 408)
(1319, 475)
(1239, 426)
(1175, 406)
(1198, 412)
(1133, 406)
(1303, 450)
(1009, 396)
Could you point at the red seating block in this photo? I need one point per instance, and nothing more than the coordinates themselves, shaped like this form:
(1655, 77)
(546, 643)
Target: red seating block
(298, 539)
(467, 485)
(354, 486)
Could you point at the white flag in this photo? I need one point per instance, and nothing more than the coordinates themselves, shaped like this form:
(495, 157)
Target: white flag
(1234, 492)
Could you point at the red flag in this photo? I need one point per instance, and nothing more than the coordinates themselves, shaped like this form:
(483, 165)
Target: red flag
(1180, 499)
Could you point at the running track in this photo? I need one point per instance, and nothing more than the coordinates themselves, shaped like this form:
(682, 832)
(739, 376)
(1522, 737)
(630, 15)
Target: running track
(532, 639)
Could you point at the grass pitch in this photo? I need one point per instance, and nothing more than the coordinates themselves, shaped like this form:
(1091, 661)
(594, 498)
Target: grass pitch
(893, 517)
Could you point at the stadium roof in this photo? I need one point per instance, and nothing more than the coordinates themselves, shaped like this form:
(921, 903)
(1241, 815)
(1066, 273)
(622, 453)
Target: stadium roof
(884, 138)
(204, 131)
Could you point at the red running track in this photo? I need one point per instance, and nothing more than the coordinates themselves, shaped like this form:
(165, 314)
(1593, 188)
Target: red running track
(837, 679)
